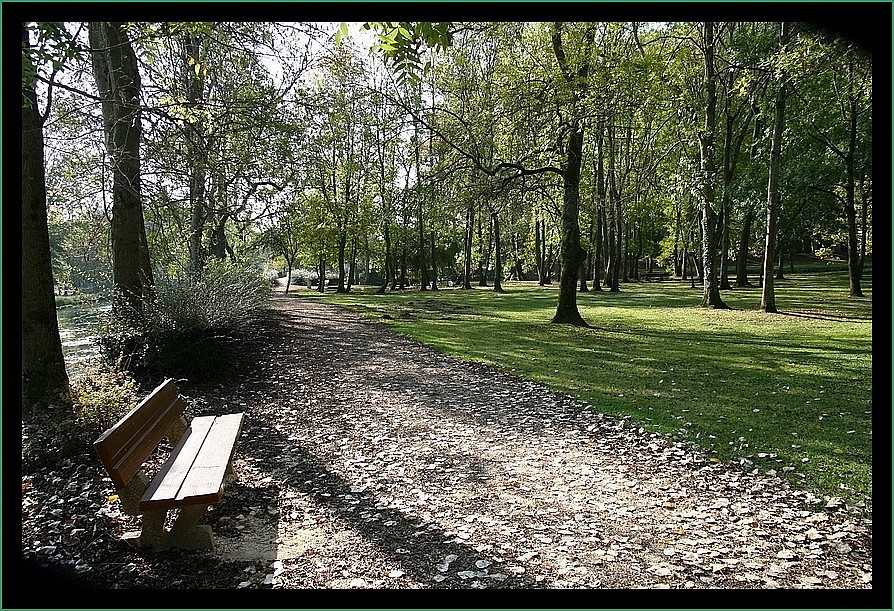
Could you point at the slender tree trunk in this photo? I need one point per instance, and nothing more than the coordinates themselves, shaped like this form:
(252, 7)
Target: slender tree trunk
(484, 253)
(195, 146)
(711, 297)
(353, 269)
(768, 295)
(118, 82)
(321, 274)
(780, 263)
(434, 268)
(572, 253)
(517, 246)
(538, 253)
(850, 212)
(467, 263)
(44, 378)
(597, 250)
(744, 241)
(498, 255)
(389, 264)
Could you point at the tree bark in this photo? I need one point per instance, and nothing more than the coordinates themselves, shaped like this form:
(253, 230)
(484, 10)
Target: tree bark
(44, 378)
(744, 241)
(470, 232)
(118, 82)
(498, 256)
(197, 159)
(711, 297)
(434, 267)
(768, 294)
(572, 253)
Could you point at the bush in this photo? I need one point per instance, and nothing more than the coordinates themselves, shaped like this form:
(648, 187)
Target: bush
(100, 397)
(187, 328)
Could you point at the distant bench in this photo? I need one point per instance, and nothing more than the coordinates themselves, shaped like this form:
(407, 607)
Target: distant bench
(650, 276)
(191, 478)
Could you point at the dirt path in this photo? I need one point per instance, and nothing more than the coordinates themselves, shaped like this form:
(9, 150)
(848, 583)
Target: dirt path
(371, 461)
(435, 473)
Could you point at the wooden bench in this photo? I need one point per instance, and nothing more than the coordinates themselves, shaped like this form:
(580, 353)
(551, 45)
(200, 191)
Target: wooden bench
(659, 276)
(192, 478)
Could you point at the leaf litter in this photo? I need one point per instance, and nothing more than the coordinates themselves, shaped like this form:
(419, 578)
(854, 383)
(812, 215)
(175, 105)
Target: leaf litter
(400, 467)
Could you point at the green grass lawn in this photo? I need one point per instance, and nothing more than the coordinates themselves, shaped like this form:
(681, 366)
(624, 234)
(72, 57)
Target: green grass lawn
(789, 392)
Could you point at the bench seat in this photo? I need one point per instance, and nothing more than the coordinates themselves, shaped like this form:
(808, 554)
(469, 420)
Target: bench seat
(194, 473)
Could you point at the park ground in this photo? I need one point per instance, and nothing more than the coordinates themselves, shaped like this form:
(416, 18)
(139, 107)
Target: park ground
(370, 460)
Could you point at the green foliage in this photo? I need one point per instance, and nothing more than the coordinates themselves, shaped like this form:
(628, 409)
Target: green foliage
(54, 46)
(99, 398)
(402, 44)
(188, 328)
(102, 396)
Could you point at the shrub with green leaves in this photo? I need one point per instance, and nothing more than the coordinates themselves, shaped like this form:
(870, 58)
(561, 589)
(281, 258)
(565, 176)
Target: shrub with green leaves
(102, 397)
(188, 328)
(99, 398)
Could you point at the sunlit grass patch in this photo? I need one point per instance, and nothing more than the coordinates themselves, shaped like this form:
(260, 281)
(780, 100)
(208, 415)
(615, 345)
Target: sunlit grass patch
(788, 392)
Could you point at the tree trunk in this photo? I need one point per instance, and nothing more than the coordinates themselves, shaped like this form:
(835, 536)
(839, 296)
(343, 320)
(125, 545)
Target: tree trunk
(572, 253)
(434, 268)
(850, 211)
(118, 83)
(711, 297)
(498, 256)
(597, 250)
(742, 257)
(353, 269)
(389, 264)
(538, 252)
(768, 295)
(467, 246)
(342, 246)
(483, 259)
(197, 159)
(517, 246)
(44, 379)
(321, 275)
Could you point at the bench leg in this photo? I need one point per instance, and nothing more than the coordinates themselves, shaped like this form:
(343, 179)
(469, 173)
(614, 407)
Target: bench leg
(186, 533)
(152, 536)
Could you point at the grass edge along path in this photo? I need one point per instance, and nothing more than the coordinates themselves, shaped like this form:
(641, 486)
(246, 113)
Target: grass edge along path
(788, 393)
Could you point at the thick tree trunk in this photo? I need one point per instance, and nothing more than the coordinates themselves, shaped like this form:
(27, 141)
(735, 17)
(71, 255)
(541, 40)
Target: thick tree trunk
(711, 297)
(44, 378)
(118, 82)
(572, 253)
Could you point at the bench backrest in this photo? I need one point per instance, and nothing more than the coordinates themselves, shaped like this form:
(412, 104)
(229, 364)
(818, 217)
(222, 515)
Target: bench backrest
(125, 447)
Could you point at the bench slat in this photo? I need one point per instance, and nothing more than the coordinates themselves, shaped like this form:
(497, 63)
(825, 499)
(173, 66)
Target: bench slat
(167, 483)
(124, 447)
(195, 472)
